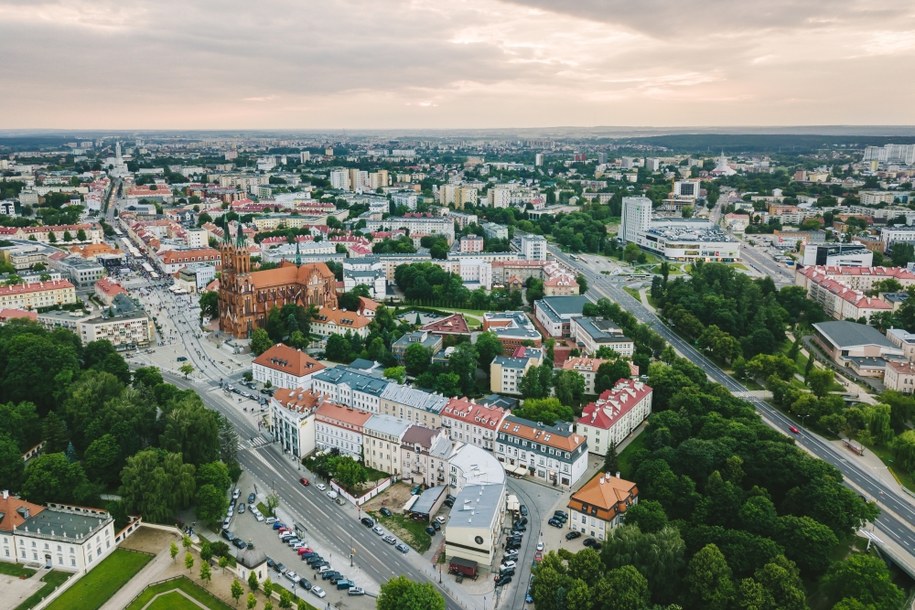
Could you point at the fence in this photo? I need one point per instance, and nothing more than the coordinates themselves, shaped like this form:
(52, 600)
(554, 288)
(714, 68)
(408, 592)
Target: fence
(366, 496)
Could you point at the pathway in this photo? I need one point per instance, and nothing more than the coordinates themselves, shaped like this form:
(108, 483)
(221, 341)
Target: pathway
(152, 572)
(170, 592)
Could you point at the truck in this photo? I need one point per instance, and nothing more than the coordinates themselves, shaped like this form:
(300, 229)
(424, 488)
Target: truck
(463, 568)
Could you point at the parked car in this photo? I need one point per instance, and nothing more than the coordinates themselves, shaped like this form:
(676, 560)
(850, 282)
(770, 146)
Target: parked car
(280, 567)
(227, 535)
(236, 493)
(523, 510)
(356, 591)
(503, 580)
(561, 514)
(344, 584)
(555, 523)
(390, 539)
(436, 526)
(252, 498)
(591, 543)
(400, 546)
(238, 542)
(539, 546)
(328, 574)
(507, 564)
(318, 591)
(241, 507)
(270, 520)
(385, 511)
(321, 486)
(368, 522)
(305, 584)
(441, 519)
(292, 576)
(430, 530)
(378, 530)
(508, 572)
(270, 562)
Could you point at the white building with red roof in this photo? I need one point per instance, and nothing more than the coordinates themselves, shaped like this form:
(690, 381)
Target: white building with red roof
(840, 290)
(615, 414)
(285, 367)
(106, 289)
(40, 294)
(473, 423)
(292, 420)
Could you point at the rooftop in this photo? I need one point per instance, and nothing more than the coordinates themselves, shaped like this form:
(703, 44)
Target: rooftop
(477, 506)
(612, 404)
(14, 511)
(386, 425)
(355, 379)
(605, 496)
(58, 524)
(469, 411)
(844, 334)
(560, 436)
(289, 360)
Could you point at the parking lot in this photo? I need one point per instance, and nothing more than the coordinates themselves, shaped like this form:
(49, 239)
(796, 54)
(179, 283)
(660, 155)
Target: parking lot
(266, 539)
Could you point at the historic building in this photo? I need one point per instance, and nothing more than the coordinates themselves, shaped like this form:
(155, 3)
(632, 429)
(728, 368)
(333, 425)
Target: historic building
(246, 297)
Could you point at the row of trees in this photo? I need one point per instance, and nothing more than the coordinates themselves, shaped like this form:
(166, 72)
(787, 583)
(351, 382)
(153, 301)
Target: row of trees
(107, 430)
(429, 284)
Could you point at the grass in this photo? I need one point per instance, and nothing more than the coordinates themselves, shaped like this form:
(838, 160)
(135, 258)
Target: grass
(625, 456)
(264, 510)
(410, 531)
(14, 569)
(886, 456)
(633, 293)
(173, 601)
(184, 584)
(51, 580)
(103, 581)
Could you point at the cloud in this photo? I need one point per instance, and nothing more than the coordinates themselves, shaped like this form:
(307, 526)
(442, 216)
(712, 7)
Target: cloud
(346, 63)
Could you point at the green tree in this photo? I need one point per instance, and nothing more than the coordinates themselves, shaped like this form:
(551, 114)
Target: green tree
(187, 368)
(157, 483)
(81, 235)
(209, 305)
(191, 429)
(820, 381)
(488, 347)
(205, 574)
(416, 359)
(582, 282)
(904, 450)
(285, 598)
(267, 585)
(463, 363)
(397, 373)
(188, 561)
(215, 474)
(252, 601)
(253, 584)
(12, 468)
(708, 579)
(211, 504)
(260, 341)
(173, 550)
(611, 459)
(865, 578)
(236, 590)
(103, 460)
(648, 515)
(338, 348)
(400, 593)
(569, 387)
(608, 373)
(545, 410)
(622, 588)
(51, 477)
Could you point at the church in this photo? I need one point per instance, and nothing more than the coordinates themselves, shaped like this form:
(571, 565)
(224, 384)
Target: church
(246, 297)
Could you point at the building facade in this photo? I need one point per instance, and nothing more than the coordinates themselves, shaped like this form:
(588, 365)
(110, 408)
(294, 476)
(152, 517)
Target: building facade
(285, 367)
(557, 455)
(614, 415)
(601, 504)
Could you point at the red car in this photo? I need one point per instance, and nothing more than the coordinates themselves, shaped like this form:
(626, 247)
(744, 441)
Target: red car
(794, 429)
(304, 550)
(304, 481)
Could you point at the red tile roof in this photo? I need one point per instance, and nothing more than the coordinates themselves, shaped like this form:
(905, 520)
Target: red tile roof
(39, 287)
(454, 324)
(289, 360)
(13, 511)
(612, 404)
(468, 411)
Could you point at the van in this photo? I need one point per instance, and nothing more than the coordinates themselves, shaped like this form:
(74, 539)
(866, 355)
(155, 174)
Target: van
(344, 584)
(332, 494)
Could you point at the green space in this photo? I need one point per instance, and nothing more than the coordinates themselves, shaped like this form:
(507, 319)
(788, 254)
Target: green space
(625, 457)
(886, 456)
(14, 569)
(410, 531)
(103, 581)
(173, 601)
(182, 583)
(633, 293)
(51, 580)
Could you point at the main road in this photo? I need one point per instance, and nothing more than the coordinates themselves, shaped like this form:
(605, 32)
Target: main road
(897, 514)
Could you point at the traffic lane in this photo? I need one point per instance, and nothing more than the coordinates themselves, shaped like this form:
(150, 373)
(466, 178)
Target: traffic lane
(536, 522)
(314, 509)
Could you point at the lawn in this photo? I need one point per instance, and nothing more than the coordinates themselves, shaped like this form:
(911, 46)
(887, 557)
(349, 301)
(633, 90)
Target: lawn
(51, 581)
(410, 531)
(633, 293)
(625, 457)
(103, 581)
(184, 584)
(886, 456)
(14, 569)
(173, 601)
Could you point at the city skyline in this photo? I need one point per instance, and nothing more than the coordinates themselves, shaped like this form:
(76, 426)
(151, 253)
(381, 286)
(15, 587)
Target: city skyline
(481, 64)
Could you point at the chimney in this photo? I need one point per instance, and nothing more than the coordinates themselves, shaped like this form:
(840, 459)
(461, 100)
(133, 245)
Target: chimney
(617, 474)
(6, 494)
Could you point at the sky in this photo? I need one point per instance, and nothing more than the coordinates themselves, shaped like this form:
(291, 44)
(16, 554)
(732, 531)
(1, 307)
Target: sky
(389, 64)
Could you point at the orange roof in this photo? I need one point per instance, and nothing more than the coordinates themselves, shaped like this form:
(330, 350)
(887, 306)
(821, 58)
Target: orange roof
(466, 410)
(903, 368)
(366, 303)
(341, 317)
(39, 287)
(289, 360)
(170, 257)
(589, 365)
(91, 250)
(12, 509)
(556, 436)
(455, 324)
(13, 314)
(298, 400)
(289, 273)
(345, 417)
(605, 496)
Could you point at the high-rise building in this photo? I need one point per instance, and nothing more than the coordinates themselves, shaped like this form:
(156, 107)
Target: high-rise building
(636, 217)
(533, 247)
(339, 179)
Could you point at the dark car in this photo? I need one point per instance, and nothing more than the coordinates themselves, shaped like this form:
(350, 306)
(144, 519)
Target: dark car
(554, 522)
(561, 514)
(329, 574)
(503, 580)
(430, 530)
(304, 481)
(314, 559)
(228, 535)
(436, 526)
(573, 535)
(368, 522)
(523, 510)
(270, 563)
(518, 527)
(281, 568)
(592, 543)
(305, 584)
(307, 556)
(521, 521)
(508, 572)
(238, 542)
(385, 511)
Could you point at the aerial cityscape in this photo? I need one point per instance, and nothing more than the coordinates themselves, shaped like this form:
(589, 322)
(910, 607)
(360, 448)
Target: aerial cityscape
(493, 306)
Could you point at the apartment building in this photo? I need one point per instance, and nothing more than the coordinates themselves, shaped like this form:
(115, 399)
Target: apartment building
(557, 455)
(341, 428)
(412, 405)
(506, 372)
(285, 367)
(601, 504)
(423, 455)
(615, 414)
(292, 420)
(555, 314)
(591, 334)
(333, 321)
(382, 436)
(35, 296)
(899, 376)
(467, 421)
(350, 387)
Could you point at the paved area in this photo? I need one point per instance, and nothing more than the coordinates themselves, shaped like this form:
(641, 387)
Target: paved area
(16, 590)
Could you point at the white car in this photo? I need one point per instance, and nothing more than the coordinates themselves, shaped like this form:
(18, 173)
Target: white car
(318, 591)
(321, 487)
(440, 519)
(270, 520)
(507, 565)
(332, 494)
(539, 546)
(378, 530)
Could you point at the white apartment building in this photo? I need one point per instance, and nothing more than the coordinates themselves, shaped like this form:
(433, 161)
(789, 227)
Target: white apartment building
(615, 414)
(339, 179)
(341, 428)
(285, 367)
(899, 376)
(292, 420)
(636, 218)
(591, 334)
(556, 455)
(67, 538)
(126, 330)
(506, 372)
(350, 387)
(467, 421)
(534, 247)
(601, 505)
(381, 443)
(332, 321)
(412, 405)
(34, 296)
(903, 339)
(416, 224)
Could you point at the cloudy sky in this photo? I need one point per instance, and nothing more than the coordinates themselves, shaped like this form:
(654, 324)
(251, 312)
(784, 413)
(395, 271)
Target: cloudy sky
(315, 64)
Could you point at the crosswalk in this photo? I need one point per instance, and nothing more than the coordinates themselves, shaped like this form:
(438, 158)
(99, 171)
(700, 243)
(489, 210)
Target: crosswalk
(251, 443)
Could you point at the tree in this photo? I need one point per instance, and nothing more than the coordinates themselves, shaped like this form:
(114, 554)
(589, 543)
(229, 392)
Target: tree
(463, 363)
(611, 459)
(708, 579)
(215, 474)
(187, 368)
(273, 501)
(209, 305)
(81, 235)
(211, 504)
(285, 598)
(268, 587)
(252, 601)
(820, 381)
(12, 468)
(260, 341)
(173, 550)
(608, 373)
(648, 515)
(416, 359)
(188, 561)
(397, 373)
(51, 237)
(865, 578)
(401, 593)
(205, 574)
(569, 387)
(338, 348)
(582, 282)
(235, 590)
(186, 542)
(51, 477)
(103, 460)
(904, 450)
(157, 483)
(622, 588)
(545, 410)
(253, 584)
(533, 290)
(488, 347)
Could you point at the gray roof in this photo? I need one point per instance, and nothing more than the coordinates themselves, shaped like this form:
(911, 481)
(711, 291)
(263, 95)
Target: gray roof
(563, 306)
(426, 501)
(55, 524)
(510, 363)
(601, 330)
(476, 506)
(386, 425)
(412, 397)
(422, 337)
(355, 379)
(419, 435)
(844, 334)
(251, 558)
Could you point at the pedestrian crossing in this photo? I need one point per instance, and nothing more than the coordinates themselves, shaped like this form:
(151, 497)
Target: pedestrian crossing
(251, 443)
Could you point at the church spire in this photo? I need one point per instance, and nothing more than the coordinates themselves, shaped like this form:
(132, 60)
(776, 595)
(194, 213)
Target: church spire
(226, 238)
(298, 254)
(240, 239)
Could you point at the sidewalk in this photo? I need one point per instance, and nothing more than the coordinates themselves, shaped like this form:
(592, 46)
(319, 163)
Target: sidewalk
(152, 572)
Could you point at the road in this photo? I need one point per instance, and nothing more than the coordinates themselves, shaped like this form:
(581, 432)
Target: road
(897, 513)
